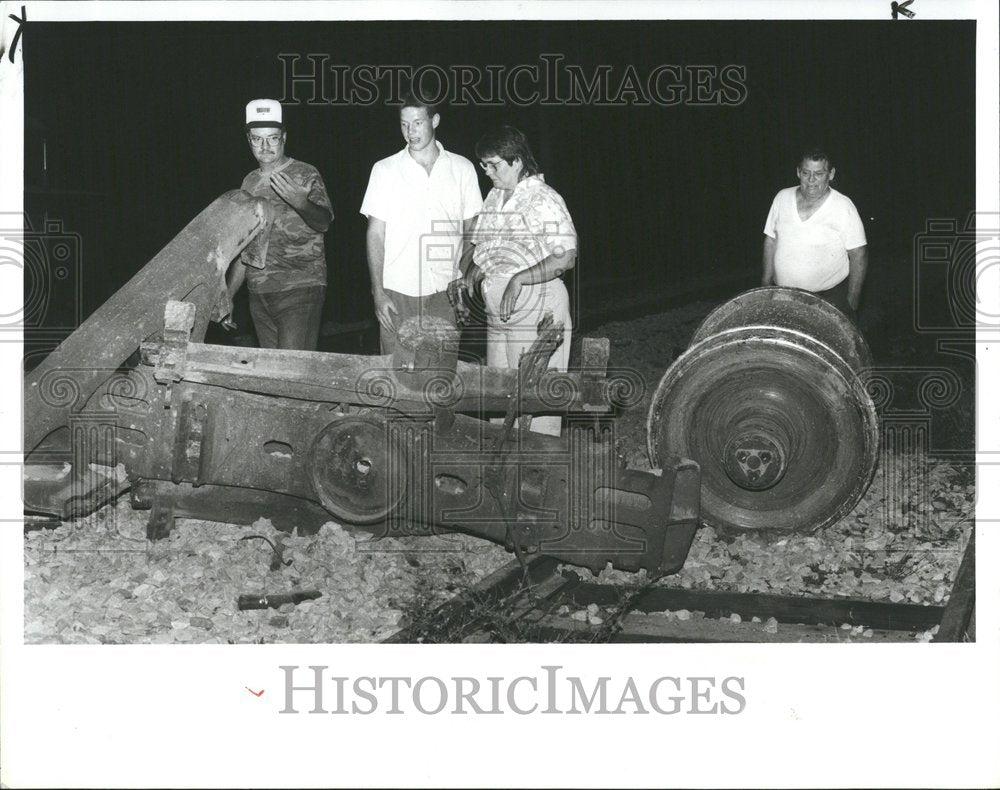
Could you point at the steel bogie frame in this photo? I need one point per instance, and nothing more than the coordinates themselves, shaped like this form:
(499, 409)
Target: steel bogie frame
(393, 445)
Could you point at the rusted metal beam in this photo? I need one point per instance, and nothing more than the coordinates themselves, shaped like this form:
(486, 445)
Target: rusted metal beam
(376, 381)
(189, 268)
(415, 475)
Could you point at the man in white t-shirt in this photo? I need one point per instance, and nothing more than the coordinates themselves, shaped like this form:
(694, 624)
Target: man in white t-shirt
(420, 204)
(814, 238)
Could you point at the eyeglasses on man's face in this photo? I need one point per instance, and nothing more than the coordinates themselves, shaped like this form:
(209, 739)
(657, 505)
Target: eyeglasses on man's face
(813, 175)
(257, 141)
(495, 164)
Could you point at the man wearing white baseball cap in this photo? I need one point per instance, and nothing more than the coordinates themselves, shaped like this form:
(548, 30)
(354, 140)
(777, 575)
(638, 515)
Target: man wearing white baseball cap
(286, 295)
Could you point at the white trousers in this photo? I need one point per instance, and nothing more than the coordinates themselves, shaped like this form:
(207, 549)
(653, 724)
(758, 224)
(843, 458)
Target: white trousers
(506, 341)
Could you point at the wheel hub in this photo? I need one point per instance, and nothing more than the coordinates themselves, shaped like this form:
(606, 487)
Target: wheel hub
(754, 461)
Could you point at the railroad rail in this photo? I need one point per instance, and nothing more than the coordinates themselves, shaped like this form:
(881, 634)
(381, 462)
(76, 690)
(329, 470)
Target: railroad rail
(535, 602)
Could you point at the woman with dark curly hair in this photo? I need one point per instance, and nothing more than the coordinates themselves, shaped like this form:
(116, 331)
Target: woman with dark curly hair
(523, 242)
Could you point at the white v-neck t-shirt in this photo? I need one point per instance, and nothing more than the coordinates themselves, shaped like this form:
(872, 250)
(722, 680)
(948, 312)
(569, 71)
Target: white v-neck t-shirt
(812, 254)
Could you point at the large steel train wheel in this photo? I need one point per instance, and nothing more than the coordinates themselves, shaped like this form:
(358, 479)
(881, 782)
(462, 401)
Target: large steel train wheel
(770, 401)
(357, 466)
(797, 311)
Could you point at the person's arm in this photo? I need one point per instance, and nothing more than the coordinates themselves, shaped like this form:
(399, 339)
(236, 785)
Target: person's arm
(769, 245)
(472, 275)
(468, 245)
(375, 243)
(297, 196)
(472, 201)
(235, 277)
(771, 237)
(547, 269)
(857, 260)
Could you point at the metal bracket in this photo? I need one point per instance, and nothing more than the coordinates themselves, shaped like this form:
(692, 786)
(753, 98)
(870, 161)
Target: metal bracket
(528, 536)
(161, 518)
(169, 357)
(530, 508)
(191, 443)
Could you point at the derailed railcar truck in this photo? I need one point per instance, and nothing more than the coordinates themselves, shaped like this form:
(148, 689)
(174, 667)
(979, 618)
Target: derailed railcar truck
(763, 423)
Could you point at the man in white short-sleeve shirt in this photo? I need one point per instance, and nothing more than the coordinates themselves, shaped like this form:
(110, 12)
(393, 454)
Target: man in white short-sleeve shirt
(420, 204)
(814, 238)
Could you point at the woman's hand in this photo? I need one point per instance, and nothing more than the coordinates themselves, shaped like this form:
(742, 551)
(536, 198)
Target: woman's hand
(510, 295)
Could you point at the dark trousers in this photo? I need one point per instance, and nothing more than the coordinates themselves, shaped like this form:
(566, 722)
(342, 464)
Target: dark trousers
(436, 305)
(837, 296)
(288, 319)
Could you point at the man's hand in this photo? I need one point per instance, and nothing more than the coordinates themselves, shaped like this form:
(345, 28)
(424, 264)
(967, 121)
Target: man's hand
(385, 311)
(297, 196)
(293, 193)
(509, 299)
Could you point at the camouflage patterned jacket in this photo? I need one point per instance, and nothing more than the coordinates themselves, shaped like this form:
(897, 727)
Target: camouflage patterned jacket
(296, 256)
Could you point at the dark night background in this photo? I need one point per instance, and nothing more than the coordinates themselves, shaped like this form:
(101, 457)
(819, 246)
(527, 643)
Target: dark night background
(132, 129)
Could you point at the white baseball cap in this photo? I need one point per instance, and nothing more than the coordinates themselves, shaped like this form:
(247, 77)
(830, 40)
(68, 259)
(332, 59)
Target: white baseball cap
(264, 112)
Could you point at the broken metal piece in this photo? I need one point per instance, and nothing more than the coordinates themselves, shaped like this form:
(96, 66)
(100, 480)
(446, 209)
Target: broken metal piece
(233, 505)
(273, 601)
(161, 519)
(520, 535)
(70, 491)
(459, 301)
(278, 560)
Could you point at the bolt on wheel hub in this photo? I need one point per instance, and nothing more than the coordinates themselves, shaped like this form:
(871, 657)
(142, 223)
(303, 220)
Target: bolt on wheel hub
(754, 461)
